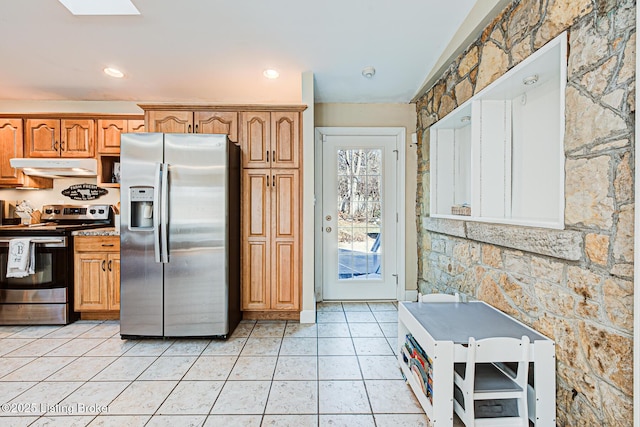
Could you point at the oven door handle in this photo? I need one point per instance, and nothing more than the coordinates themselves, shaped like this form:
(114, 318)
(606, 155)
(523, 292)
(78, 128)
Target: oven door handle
(43, 241)
(156, 212)
(47, 242)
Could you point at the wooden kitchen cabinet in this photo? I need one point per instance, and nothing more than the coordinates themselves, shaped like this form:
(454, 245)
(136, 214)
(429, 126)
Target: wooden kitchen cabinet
(271, 240)
(270, 139)
(109, 131)
(97, 276)
(60, 138)
(194, 122)
(11, 146)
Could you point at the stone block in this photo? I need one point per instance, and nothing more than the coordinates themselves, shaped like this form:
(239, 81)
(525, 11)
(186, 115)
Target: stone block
(587, 193)
(494, 62)
(492, 256)
(451, 227)
(562, 244)
(560, 14)
(608, 354)
(618, 303)
(596, 81)
(623, 182)
(583, 282)
(616, 406)
(554, 300)
(628, 71)
(521, 51)
(623, 241)
(463, 91)
(544, 269)
(468, 62)
(587, 122)
(597, 248)
(490, 292)
(589, 45)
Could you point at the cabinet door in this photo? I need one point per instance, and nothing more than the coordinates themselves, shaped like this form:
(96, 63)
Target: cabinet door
(285, 140)
(113, 266)
(135, 126)
(43, 138)
(285, 244)
(217, 122)
(90, 290)
(11, 143)
(78, 138)
(255, 132)
(255, 240)
(170, 121)
(109, 135)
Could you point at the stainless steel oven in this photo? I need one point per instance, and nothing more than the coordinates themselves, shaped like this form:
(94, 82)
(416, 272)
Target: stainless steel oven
(43, 297)
(46, 296)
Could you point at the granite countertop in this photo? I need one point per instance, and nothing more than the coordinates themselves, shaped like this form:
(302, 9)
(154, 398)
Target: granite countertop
(106, 231)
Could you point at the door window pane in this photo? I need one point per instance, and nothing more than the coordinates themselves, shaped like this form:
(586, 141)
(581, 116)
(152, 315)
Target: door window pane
(359, 213)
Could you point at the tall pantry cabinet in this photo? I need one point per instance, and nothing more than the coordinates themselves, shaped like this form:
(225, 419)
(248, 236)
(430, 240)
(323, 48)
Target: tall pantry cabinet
(270, 211)
(269, 137)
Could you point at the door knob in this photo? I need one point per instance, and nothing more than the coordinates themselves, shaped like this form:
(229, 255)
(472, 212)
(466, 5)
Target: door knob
(328, 229)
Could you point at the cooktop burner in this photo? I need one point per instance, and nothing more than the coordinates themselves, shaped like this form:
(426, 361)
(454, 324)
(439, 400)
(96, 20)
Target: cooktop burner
(63, 219)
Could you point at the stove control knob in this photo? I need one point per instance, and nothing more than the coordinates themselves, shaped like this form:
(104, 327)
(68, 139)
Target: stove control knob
(48, 211)
(92, 211)
(101, 211)
(56, 211)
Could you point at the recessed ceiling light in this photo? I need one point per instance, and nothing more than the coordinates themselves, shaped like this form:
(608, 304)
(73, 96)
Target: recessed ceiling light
(100, 7)
(113, 72)
(270, 73)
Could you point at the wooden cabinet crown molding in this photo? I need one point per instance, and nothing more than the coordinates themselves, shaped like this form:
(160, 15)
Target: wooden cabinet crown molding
(212, 107)
(72, 116)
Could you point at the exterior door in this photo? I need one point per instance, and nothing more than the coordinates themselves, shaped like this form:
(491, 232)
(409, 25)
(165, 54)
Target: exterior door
(359, 217)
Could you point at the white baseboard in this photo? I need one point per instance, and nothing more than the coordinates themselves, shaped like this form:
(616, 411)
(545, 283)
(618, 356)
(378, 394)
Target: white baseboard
(309, 316)
(411, 295)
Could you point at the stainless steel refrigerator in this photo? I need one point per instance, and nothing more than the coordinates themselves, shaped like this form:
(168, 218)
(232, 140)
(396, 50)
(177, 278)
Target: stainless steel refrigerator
(179, 235)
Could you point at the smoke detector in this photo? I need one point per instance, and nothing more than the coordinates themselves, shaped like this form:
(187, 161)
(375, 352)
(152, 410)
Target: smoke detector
(368, 72)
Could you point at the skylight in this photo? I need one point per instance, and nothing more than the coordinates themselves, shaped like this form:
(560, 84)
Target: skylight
(100, 7)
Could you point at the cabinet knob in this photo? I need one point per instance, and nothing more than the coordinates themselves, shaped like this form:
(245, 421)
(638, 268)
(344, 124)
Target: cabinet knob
(328, 229)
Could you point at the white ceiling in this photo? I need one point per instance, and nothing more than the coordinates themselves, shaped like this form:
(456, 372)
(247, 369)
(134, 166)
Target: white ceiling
(216, 50)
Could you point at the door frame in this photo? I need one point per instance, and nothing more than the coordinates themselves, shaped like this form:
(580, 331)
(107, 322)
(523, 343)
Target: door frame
(400, 134)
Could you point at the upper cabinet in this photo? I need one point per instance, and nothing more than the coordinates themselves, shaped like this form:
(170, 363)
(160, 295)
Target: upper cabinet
(270, 139)
(499, 157)
(170, 121)
(194, 122)
(12, 145)
(109, 131)
(60, 138)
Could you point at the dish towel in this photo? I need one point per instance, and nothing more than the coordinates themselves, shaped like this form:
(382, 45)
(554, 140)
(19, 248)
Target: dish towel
(22, 258)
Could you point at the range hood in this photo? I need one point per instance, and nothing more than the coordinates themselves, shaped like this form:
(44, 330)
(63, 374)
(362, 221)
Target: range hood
(56, 167)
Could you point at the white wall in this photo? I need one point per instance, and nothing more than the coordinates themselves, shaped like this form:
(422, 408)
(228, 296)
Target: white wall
(384, 115)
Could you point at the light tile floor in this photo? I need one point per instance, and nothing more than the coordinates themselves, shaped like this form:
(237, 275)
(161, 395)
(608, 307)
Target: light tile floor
(339, 372)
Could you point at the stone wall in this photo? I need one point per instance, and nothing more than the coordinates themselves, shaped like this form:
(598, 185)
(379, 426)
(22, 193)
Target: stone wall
(573, 285)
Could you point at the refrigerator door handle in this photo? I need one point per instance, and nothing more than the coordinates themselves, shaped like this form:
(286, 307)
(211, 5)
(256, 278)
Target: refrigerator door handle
(164, 217)
(156, 212)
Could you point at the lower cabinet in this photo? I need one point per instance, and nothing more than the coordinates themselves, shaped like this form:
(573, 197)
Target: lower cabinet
(97, 276)
(271, 243)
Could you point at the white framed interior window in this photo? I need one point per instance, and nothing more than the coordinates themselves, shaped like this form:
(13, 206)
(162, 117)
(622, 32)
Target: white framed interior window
(499, 157)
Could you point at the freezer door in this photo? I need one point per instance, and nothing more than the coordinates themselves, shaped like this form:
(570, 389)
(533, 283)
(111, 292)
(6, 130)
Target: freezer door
(196, 291)
(140, 274)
